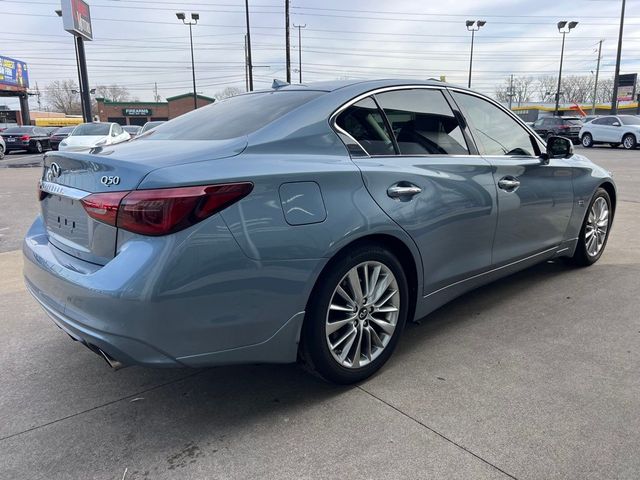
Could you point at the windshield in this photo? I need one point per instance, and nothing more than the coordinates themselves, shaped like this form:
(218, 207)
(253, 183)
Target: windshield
(92, 129)
(13, 130)
(233, 117)
(630, 120)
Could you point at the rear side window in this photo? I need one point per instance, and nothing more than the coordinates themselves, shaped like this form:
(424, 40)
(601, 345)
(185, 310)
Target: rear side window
(423, 122)
(233, 117)
(365, 123)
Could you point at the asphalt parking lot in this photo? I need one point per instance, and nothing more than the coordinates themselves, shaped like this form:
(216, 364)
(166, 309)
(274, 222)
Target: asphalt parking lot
(534, 377)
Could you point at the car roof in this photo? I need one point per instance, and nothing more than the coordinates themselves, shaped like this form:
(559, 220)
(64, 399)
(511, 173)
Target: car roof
(333, 85)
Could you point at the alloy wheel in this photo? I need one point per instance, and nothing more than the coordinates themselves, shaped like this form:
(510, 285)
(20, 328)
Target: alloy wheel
(629, 142)
(597, 226)
(362, 314)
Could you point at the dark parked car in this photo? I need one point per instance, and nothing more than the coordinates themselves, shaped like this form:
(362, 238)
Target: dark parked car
(33, 139)
(132, 130)
(59, 136)
(564, 126)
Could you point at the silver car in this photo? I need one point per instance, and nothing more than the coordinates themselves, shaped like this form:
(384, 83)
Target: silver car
(304, 222)
(614, 130)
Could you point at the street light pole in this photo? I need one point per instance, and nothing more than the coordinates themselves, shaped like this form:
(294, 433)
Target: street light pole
(473, 26)
(194, 21)
(564, 27)
(616, 77)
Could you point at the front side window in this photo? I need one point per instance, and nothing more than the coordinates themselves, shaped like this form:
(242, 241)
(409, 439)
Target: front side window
(365, 123)
(495, 132)
(423, 122)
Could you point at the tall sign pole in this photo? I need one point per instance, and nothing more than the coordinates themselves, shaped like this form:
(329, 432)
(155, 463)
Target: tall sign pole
(288, 39)
(616, 77)
(249, 62)
(76, 19)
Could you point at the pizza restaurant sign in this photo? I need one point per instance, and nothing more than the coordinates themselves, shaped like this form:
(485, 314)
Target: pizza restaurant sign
(136, 112)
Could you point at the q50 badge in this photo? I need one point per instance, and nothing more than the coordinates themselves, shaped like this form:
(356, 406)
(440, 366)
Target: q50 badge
(110, 180)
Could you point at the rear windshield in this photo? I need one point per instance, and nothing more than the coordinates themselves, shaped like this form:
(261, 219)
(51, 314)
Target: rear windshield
(573, 121)
(233, 117)
(12, 130)
(92, 129)
(630, 120)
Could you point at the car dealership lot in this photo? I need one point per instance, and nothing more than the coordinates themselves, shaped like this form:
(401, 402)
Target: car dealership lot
(535, 376)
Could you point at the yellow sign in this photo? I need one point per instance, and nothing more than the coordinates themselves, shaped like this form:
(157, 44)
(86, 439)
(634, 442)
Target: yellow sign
(58, 122)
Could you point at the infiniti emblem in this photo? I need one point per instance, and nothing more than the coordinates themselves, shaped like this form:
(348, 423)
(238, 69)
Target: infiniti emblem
(54, 171)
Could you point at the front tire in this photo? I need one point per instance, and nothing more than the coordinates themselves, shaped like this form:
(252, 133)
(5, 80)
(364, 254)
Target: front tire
(595, 230)
(1, 152)
(587, 140)
(355, 315)
(629, 141)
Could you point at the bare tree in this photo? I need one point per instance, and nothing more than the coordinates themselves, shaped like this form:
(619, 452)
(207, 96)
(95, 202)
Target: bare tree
(60, 97)
(547, 87)
(227, 92)
(523, 88)
(113, 92)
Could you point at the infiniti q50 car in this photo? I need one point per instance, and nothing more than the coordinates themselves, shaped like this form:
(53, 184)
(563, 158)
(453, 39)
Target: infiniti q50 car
(304, 222)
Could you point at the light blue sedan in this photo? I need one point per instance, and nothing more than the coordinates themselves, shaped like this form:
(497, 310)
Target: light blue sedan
(303, 222)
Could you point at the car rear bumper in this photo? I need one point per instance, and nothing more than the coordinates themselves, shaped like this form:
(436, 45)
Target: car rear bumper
(158, 303)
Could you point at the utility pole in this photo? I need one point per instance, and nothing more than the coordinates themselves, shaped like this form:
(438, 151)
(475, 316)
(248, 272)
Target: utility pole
(616, 77)
(511, 91)
(249, 63)
(246, 66)
(299, 27)
(288, 39)
(595, 88)
(155, 92)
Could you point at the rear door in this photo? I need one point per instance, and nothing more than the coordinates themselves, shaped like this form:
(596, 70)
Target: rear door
(420, 170)
(535, 199)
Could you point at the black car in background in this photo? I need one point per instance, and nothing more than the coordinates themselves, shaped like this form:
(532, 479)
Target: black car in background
(32, 139)
(559, 126)
(59, 135)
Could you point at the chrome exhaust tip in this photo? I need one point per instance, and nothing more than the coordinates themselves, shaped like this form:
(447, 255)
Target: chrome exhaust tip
(113, 363)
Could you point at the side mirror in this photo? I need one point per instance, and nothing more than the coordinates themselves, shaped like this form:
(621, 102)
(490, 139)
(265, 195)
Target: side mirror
(557, 147)
(616, 124)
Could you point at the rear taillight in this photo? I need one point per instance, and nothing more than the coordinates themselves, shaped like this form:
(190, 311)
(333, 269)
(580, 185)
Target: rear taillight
(163, 211)
(104, 206)
(25, 138)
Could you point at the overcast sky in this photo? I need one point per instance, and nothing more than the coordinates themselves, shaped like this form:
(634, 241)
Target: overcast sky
(137, 43)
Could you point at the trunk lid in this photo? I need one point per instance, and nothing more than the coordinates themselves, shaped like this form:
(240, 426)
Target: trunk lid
(67, 177)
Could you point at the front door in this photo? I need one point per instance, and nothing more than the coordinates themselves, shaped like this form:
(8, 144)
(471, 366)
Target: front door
(535, 199)
(420, 172)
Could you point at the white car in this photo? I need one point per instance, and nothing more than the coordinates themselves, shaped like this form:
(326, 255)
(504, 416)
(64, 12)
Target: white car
(3, 148)
(612, 129)
(97, 134)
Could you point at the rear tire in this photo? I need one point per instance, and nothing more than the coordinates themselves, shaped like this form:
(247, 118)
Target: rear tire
(629, 141)
(595, 230)
(587, 140)
(354, 319)
(37, 148)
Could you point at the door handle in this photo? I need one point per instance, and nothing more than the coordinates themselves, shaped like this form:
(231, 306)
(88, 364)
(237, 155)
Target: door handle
(399, 191)
(509, 183)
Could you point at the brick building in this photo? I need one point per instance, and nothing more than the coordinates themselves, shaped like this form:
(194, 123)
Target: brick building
(138, 113)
